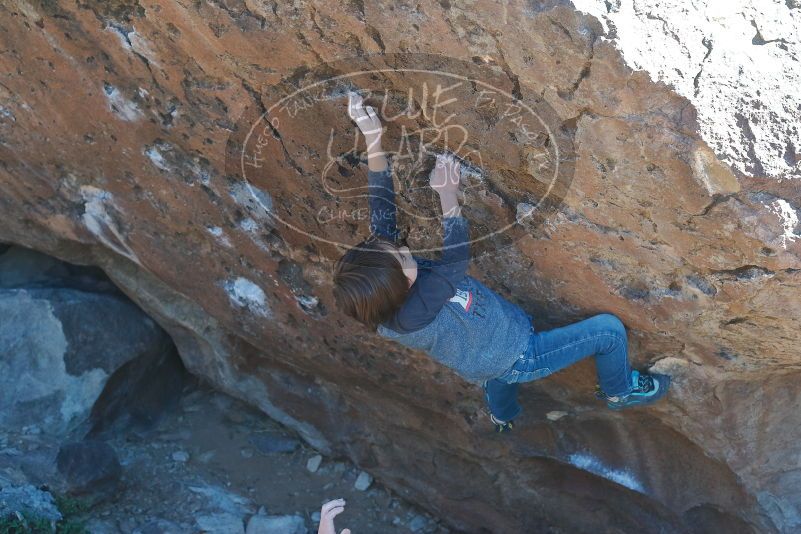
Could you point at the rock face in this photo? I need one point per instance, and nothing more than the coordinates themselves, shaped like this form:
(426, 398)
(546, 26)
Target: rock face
(77, 359)
(89, 466)
(117, 121)
(735, 65)
(26, 499)
(61, 344)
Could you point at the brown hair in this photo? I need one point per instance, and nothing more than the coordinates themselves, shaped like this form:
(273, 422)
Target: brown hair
(369, 283)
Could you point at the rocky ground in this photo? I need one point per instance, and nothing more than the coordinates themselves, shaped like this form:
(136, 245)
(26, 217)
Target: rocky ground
(215, 465)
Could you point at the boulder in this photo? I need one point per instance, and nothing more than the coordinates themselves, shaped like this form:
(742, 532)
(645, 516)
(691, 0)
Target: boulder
(127, 146)
(139, 394)
(73, 345)
(29, 501)
(58, 348)
(89, 467)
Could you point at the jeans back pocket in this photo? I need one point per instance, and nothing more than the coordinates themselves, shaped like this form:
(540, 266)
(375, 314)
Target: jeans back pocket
(526, 369)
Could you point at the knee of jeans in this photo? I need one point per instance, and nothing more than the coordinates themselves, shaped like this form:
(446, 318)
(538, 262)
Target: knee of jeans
(611, 323)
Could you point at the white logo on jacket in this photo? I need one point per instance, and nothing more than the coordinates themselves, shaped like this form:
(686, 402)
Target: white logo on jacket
(462, 297)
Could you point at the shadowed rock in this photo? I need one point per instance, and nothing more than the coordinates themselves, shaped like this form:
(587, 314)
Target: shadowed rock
(89, 467)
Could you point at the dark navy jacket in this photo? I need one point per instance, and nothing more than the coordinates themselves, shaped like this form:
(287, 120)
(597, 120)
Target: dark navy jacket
(456, 319)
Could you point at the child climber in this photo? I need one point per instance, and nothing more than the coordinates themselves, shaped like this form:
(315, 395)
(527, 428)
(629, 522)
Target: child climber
(436, 307)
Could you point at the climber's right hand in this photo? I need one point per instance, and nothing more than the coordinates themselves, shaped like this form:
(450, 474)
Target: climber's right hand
(444, 178)
(367, 120)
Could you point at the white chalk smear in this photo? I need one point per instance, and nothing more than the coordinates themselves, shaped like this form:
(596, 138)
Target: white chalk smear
(158, 160)
(101, 224)
(121, 106)
(218, 232)
(595, 466)
(789, 217)
(245, 294)
(249, 225)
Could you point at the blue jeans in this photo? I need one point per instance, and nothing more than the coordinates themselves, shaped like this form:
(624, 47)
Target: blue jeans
(602, 335)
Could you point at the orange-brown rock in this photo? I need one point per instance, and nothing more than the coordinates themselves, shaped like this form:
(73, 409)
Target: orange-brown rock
(116, 123)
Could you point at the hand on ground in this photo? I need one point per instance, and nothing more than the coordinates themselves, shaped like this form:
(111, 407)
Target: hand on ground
(445, 175)
(329, 511)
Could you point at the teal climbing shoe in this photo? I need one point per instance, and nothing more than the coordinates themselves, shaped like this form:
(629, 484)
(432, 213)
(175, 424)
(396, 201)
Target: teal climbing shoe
(648, 388)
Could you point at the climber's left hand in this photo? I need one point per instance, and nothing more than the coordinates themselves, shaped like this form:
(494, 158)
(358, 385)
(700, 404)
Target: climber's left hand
(329, 511)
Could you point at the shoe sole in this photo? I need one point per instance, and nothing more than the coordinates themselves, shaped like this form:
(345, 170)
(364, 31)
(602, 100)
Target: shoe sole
(645, 401)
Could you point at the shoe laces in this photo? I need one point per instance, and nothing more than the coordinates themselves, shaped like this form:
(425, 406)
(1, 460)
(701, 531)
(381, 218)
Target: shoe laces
(645, 383)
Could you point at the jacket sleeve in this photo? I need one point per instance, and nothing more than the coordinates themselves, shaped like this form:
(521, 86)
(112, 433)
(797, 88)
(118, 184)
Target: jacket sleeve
(433, 288)
(383, 212)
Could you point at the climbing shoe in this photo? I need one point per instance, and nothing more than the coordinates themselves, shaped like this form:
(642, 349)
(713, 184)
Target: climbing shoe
(648, 388)
(501, 426)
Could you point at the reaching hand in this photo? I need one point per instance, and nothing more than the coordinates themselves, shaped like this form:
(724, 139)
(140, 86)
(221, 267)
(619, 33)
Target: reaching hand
(444, 177)
(329, 511)
(366, 119)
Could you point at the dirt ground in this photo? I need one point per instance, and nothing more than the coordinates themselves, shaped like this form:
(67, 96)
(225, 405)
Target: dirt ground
(205, 465)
